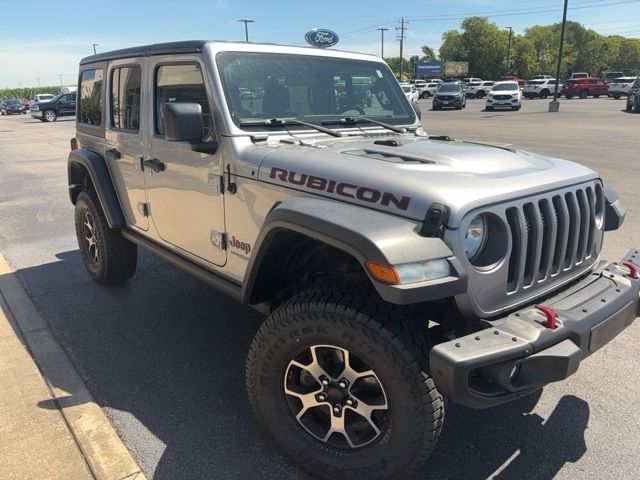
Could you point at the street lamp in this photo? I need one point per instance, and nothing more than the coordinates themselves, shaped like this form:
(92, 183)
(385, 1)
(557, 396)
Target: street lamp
(382, 30)
(246, 28)
(554, 105)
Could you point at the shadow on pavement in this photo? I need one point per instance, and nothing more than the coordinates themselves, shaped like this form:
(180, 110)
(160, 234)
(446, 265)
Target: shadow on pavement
(164, 355)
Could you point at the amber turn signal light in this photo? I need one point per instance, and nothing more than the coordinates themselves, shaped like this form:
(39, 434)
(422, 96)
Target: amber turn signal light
(384, 273)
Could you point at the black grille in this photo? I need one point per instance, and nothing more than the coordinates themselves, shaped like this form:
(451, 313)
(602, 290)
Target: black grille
(502, 97)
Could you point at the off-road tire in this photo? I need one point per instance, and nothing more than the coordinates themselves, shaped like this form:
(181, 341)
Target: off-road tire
(382, 337)
(117, 257)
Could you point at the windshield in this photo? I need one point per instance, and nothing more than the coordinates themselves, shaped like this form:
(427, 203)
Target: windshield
(44, 98)
(536, 82)
(13, 102)
(503, 87)
(449, 87)
(263, 86)
(406, 89)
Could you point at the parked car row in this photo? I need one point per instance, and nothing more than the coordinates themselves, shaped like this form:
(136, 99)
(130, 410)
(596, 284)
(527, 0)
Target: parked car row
(61, 105)
(10, 107)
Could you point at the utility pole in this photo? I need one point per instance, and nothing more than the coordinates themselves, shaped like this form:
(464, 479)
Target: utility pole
(246, 28)
(60, 75)
(94, 47)
(554, 105)
(401, 38)
(509, 51)
(38, 82)
(382, 30)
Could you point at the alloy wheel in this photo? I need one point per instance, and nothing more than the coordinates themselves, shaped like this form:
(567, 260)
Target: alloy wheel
(88, 231)
(336, 397)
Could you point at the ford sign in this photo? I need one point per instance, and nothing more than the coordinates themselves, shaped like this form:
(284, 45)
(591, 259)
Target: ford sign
(321, 37)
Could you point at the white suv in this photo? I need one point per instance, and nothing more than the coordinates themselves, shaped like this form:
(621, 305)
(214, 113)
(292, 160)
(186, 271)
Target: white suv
(504, 95)
(479, 89)
(620, 87)
(410, 92)
(540, 87)
(428, 90)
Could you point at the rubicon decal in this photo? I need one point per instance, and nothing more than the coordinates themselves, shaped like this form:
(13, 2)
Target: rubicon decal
(349, 190)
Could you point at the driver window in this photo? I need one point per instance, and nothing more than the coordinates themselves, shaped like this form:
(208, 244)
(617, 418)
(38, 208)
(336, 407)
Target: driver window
(181, 83)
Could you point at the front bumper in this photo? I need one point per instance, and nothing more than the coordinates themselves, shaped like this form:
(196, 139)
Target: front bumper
(456, 102)
(517, 354)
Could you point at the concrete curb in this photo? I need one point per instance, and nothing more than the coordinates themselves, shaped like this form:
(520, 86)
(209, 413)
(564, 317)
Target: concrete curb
(106, 457)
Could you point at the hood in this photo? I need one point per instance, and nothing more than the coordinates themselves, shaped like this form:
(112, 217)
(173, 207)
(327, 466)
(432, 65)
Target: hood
(406, 179)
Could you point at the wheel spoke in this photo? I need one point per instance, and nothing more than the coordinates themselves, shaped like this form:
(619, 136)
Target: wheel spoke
(308, 400)
(338, 426)
(366, 411)
(350, 374)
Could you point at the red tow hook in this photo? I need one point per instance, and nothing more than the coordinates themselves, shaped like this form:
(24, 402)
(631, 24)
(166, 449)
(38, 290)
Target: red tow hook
(550, 322)
(633, 268)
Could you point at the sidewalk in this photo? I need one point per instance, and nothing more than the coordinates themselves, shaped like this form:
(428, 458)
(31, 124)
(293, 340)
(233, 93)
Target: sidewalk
(50, 426)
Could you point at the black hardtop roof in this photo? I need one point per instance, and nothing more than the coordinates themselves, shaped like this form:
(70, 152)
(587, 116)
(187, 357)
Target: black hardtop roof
(187, 46)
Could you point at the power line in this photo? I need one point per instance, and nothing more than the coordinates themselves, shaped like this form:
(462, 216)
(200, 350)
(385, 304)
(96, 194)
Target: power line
(513, 13)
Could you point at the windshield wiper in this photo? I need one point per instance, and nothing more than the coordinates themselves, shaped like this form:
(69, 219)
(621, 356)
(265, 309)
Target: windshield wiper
(278, 122)
(355, 120)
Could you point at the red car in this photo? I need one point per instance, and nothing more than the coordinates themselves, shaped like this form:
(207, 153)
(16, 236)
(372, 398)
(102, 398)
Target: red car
(513, 78)
(584, 87)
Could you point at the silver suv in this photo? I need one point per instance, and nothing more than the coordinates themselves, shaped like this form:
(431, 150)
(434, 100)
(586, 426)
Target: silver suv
(395, 269)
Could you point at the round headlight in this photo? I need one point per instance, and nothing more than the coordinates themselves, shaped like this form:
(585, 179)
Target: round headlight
(475, 237)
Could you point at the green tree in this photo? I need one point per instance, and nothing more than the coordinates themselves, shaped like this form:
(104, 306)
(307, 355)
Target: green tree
(428, 54)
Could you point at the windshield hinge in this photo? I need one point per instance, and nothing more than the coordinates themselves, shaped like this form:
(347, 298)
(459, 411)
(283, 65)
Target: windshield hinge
(216, 182)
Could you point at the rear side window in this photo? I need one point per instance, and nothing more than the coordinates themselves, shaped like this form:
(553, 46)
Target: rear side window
(181, 83)
(90, 111)
(125, 98)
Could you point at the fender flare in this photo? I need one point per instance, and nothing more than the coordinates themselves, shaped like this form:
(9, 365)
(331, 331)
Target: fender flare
(366, 235)
(85, 163)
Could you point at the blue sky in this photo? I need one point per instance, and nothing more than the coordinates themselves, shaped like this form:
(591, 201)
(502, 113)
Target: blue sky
(45, 38)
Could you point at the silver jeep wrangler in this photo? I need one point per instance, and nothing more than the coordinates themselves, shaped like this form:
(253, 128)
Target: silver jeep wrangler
(396, 269)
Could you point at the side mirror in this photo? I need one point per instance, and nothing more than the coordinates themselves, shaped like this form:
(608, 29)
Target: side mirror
(417, 109)
(183, 122)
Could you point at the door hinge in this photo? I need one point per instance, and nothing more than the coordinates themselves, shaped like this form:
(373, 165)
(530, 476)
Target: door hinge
(143, 208)
(218, 240)
(216, 182)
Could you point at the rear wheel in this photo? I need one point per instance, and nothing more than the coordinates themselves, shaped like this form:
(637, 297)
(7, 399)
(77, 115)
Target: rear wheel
(49, 116)
(109, 258)
(424, 95)
(339, 380)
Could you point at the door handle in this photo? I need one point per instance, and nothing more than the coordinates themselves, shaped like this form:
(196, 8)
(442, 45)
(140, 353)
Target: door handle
(115, 153)
(155, 164)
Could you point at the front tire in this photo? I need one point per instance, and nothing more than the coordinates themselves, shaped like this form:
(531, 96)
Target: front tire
(325, 338)
(109, 258)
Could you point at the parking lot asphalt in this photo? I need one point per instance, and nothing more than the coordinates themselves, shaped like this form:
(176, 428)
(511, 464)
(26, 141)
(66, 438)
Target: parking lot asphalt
(164, 355)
